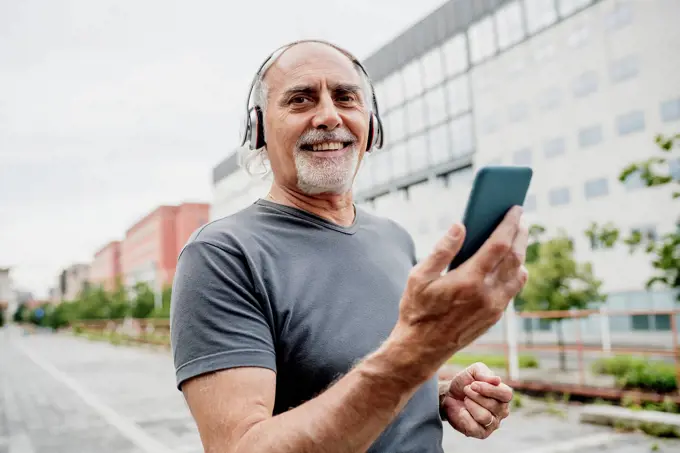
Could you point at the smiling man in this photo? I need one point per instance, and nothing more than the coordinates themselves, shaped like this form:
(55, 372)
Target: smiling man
(304, 324)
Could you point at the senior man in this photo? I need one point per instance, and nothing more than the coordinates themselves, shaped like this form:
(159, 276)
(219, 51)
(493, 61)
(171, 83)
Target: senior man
(303, 323)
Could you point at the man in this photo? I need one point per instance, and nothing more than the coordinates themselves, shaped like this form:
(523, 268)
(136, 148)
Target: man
(303, 324)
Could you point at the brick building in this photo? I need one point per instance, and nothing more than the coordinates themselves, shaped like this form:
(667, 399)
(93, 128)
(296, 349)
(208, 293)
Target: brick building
(150, 248)
(105, 269)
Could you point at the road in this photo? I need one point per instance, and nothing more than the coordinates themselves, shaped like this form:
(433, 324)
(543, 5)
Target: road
(63, 394)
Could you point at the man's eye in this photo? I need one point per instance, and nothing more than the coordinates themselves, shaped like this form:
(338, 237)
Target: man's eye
(299, 100)
(346, 98)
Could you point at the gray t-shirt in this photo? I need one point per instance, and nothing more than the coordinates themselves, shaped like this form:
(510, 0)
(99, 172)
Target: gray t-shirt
(276, 287)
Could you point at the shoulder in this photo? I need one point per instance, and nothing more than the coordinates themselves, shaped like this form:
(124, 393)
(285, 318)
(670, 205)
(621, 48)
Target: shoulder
(230, 234)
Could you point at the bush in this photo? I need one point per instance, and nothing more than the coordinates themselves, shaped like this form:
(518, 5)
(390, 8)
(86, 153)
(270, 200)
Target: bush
(638, 373)
(492, 360)
(2, 317)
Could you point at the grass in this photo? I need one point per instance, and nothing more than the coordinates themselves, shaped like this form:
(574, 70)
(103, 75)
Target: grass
(492, 360)
(638, 373)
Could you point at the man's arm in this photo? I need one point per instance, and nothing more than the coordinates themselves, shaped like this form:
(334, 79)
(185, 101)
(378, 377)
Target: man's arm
(233, 408)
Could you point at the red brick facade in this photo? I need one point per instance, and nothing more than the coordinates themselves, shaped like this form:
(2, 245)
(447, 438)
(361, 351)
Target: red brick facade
(105, 269)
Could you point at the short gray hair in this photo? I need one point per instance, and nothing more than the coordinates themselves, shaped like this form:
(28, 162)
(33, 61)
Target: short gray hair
(255, 161)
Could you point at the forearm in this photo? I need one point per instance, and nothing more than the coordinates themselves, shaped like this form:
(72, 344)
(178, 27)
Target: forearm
(349, 415)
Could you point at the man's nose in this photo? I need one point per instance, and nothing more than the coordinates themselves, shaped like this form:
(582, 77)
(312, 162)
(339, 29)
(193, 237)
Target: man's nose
(327, 116)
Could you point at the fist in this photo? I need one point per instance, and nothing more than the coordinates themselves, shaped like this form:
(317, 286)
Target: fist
(476, 401)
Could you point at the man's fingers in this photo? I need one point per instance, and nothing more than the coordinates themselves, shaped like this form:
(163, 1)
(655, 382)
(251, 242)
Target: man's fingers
(498, 409)
(481, 415)
(507, 269)
(500, 392)
(460, 418)
(499, 243)
(480, 372)
(443, 253)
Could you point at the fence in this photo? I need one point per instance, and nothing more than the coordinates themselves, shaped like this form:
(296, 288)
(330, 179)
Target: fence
(581, 347)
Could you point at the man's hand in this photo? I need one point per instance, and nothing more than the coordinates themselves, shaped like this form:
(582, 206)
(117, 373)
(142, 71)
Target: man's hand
(476, 401)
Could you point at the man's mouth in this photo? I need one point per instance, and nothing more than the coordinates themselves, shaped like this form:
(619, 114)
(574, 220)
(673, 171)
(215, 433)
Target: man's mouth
(326, 146)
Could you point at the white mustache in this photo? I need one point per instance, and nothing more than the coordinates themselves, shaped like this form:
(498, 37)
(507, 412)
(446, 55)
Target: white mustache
(316, 136)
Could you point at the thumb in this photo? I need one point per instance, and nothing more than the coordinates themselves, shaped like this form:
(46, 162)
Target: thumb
(444, 251)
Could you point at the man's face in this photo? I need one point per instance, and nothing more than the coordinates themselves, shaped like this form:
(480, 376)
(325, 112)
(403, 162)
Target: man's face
(316, 120)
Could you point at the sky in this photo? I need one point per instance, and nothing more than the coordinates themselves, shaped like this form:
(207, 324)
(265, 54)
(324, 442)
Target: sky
(109, 108)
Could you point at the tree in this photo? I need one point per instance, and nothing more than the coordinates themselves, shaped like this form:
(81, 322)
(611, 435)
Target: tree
(2, 317)
(19, 314)
(144, 301)
(558, 283)
(665, 250)
(535, 232)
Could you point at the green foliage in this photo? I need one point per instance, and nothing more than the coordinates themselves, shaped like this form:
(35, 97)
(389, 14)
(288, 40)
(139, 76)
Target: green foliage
(638, 373)
(664, 251)
(557, 282)
(95, 303)
(20, 313)
(492, 360)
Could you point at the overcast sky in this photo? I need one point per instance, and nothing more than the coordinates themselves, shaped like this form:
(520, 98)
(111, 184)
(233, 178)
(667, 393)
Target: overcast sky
(110, 108)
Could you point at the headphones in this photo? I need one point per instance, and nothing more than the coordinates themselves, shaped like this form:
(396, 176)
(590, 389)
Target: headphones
(253, 131)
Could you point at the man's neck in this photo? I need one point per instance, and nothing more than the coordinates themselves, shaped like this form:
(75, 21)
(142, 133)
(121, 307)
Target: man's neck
(338, 209)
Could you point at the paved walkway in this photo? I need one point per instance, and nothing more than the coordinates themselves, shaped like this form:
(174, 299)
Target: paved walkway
(62, 394)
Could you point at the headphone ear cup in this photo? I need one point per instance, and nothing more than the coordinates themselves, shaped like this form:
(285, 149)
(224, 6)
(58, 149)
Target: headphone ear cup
(256, 129)
(370, 141)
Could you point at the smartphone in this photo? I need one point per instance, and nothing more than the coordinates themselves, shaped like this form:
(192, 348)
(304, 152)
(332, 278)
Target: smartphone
(495, 190)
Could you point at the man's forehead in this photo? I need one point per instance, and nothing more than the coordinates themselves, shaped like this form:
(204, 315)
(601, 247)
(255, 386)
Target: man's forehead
(310, 63)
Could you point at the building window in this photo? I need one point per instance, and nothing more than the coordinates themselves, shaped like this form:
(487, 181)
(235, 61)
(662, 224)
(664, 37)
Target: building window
(458, 95)
(568, 7)
(539, 14)
(630, 122)
(461, 135)
(596, 188)
(674, 169)
(433, 68)
(522, 157)
(413, 79)
(634, 181)
(440, 150)
(623, 69)
(417, 153)
(455, 55)
(670, 110)
(399, 157)
(646, 232)
(530, 203)
(554, 147)
(394, 90)
(415, 111)
(662, 322)
(590, 136)
(482, 40)
(640, 322)
(620, 16)
(518, 112)
(435, 102)
(585, 84)
(509, 25)
(558, 197)
(549, 98)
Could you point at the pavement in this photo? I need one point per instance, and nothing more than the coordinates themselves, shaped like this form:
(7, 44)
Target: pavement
(62, 394)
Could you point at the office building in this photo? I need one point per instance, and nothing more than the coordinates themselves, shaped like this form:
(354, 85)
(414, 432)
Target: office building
(576, 89)
(150, 248)
(105, 269)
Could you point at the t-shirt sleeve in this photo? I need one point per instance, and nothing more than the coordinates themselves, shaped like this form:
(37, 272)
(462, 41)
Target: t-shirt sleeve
(218, 320)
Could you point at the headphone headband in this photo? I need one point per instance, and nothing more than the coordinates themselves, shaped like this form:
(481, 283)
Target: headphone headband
(253, 121)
